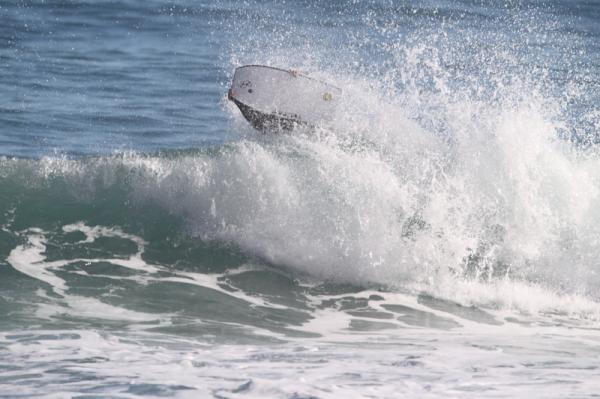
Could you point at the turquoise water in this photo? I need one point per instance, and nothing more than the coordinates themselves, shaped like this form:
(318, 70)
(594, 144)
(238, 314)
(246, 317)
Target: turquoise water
(440, 240)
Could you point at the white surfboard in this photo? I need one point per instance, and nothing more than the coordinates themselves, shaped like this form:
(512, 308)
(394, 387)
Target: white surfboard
(276, 98)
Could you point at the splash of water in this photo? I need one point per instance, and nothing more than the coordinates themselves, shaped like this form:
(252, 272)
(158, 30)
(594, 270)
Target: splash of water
(450, 160)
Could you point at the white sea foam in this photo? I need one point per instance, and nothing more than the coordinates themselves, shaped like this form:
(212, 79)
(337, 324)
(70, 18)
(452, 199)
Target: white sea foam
(29, 259)
(421, 363)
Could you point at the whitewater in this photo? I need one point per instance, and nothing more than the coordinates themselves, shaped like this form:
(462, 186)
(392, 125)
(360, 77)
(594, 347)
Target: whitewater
(440, 239)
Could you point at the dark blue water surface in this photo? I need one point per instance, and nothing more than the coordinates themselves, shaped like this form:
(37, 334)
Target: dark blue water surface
(90, 77)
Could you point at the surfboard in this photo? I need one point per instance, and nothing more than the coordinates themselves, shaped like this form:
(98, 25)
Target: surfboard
(274, 98)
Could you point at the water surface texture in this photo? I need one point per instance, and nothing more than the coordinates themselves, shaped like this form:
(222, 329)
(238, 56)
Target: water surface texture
(440, 239)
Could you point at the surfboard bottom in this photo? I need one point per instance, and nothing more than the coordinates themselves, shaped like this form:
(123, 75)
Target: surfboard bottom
(264, 122)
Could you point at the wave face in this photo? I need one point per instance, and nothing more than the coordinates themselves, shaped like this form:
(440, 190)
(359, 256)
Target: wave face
(449, 212)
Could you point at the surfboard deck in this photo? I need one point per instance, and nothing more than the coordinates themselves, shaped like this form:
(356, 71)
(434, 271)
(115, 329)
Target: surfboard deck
(274, 98)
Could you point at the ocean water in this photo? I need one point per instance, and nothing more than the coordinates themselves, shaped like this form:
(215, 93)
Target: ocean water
(441, 239)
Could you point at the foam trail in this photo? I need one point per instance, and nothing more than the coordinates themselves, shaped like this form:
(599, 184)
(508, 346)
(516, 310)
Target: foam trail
(30, 259)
